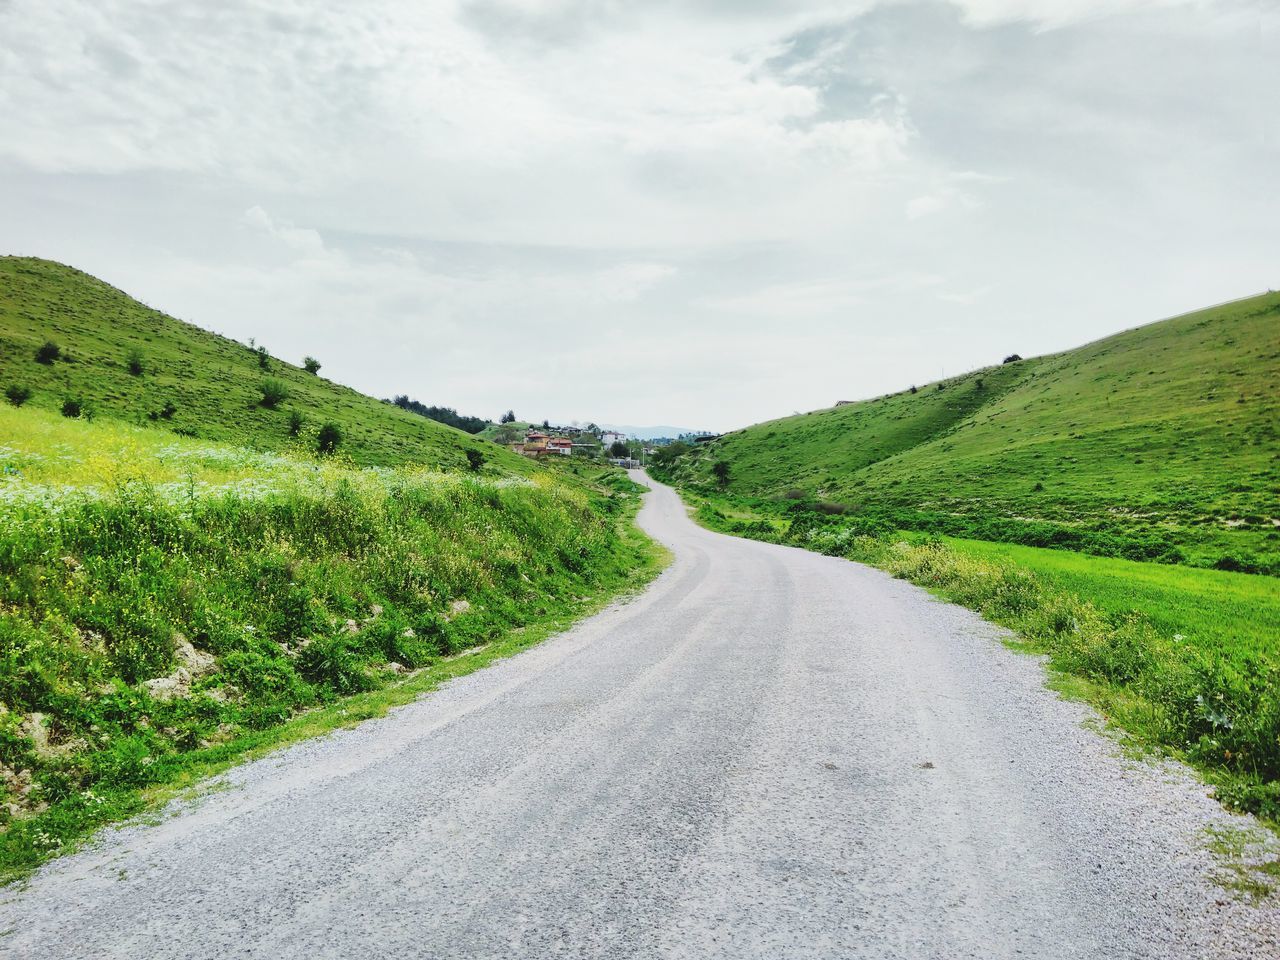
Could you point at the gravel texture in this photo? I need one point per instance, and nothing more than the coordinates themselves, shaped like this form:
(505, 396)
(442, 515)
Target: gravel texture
(770, 754)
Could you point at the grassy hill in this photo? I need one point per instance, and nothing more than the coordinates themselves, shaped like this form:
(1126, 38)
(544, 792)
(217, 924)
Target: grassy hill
(184, 582)
(1161, 443)
(191, 381)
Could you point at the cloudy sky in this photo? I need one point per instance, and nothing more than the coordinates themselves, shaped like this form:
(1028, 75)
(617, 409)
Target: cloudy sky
(706, 213)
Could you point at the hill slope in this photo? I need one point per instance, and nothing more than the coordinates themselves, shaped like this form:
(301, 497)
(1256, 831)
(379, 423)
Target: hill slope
(213, 384)
(1167, 433)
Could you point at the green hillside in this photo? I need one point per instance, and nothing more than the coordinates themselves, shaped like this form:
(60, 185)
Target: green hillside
(1157, 443)
(191, 381)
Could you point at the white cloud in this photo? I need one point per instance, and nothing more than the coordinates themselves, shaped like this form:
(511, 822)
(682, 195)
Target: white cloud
(743, 196)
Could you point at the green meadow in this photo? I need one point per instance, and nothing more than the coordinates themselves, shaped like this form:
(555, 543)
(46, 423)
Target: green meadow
(121, 360)
(1159, 443)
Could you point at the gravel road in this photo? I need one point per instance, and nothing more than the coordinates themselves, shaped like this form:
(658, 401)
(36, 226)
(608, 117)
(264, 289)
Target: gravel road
(770, 753)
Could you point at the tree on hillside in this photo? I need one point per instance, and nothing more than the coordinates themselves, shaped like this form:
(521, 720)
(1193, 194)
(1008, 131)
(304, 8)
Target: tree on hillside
(720, 470)
(508, 417)
(311, 364)
(475, 460)
(48, 353)
(1012, 358)
(619, 450)
(669, 454)
(445, 415)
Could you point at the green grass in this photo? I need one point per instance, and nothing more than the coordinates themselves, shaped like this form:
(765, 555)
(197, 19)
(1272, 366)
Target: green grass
(213, 384)
(1159, 442)
(1220, 613)
(197, 604)
(1184, 661)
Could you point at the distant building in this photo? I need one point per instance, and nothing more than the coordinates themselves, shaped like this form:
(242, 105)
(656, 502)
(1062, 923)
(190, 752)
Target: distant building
(560, 445)
(609, 438)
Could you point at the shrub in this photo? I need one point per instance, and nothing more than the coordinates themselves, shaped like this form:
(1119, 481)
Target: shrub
(311, 364)
(274, 393)
(1012, 358)
(914, 389)
(48, 353)
(475, 460)
(168, 410)
(264, 358)
(133, 363)
(295, 423)
(71, 407)
(17, 395)
(328, 438)
(720, 470)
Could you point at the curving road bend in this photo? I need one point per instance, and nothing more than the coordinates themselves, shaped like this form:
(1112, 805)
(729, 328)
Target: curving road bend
(769, 754)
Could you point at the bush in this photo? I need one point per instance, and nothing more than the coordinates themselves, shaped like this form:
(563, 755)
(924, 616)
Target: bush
(1011, 358)
(311, 364)
(71, 407)
(133, 363)
(274, 393)
(295, 423)
(168, 410)
(720, 470)
(328, 438)
(48, 353)
(17, 395)
(475, 460)
(264, 358)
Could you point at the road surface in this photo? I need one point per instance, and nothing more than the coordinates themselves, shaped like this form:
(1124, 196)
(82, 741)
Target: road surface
(769, 754)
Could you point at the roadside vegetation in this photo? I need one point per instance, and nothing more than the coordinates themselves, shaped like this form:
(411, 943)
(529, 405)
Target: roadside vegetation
(167, 604)
(1185, 661)
(206, 551)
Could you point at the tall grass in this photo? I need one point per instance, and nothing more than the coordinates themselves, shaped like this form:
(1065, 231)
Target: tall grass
(139, 628)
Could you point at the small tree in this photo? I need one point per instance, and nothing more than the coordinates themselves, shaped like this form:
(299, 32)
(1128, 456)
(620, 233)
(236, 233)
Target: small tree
(264, 358)
(720, 470)
(311, 364)
(295, 423)
(168, 410)
(133, 363)
(508, 417)
(48, 353)
(274, 393)
(619, 450)
(17, 395)
(913, 389)
(1012, 358)
(978, 385)
(72, 407)
(328, 438)
(475, 460)
(546, 424)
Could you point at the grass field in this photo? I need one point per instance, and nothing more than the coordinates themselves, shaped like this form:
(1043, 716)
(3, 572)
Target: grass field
(169, 604)
(1161, 442)
(188, 381)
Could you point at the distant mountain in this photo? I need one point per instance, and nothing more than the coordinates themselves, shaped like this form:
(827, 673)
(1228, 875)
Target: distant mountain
(650, 433)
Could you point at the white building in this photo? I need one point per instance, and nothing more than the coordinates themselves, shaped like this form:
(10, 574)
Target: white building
(609, 438)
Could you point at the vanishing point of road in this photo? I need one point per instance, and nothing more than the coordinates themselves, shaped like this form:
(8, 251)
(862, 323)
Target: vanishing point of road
(767, 754)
